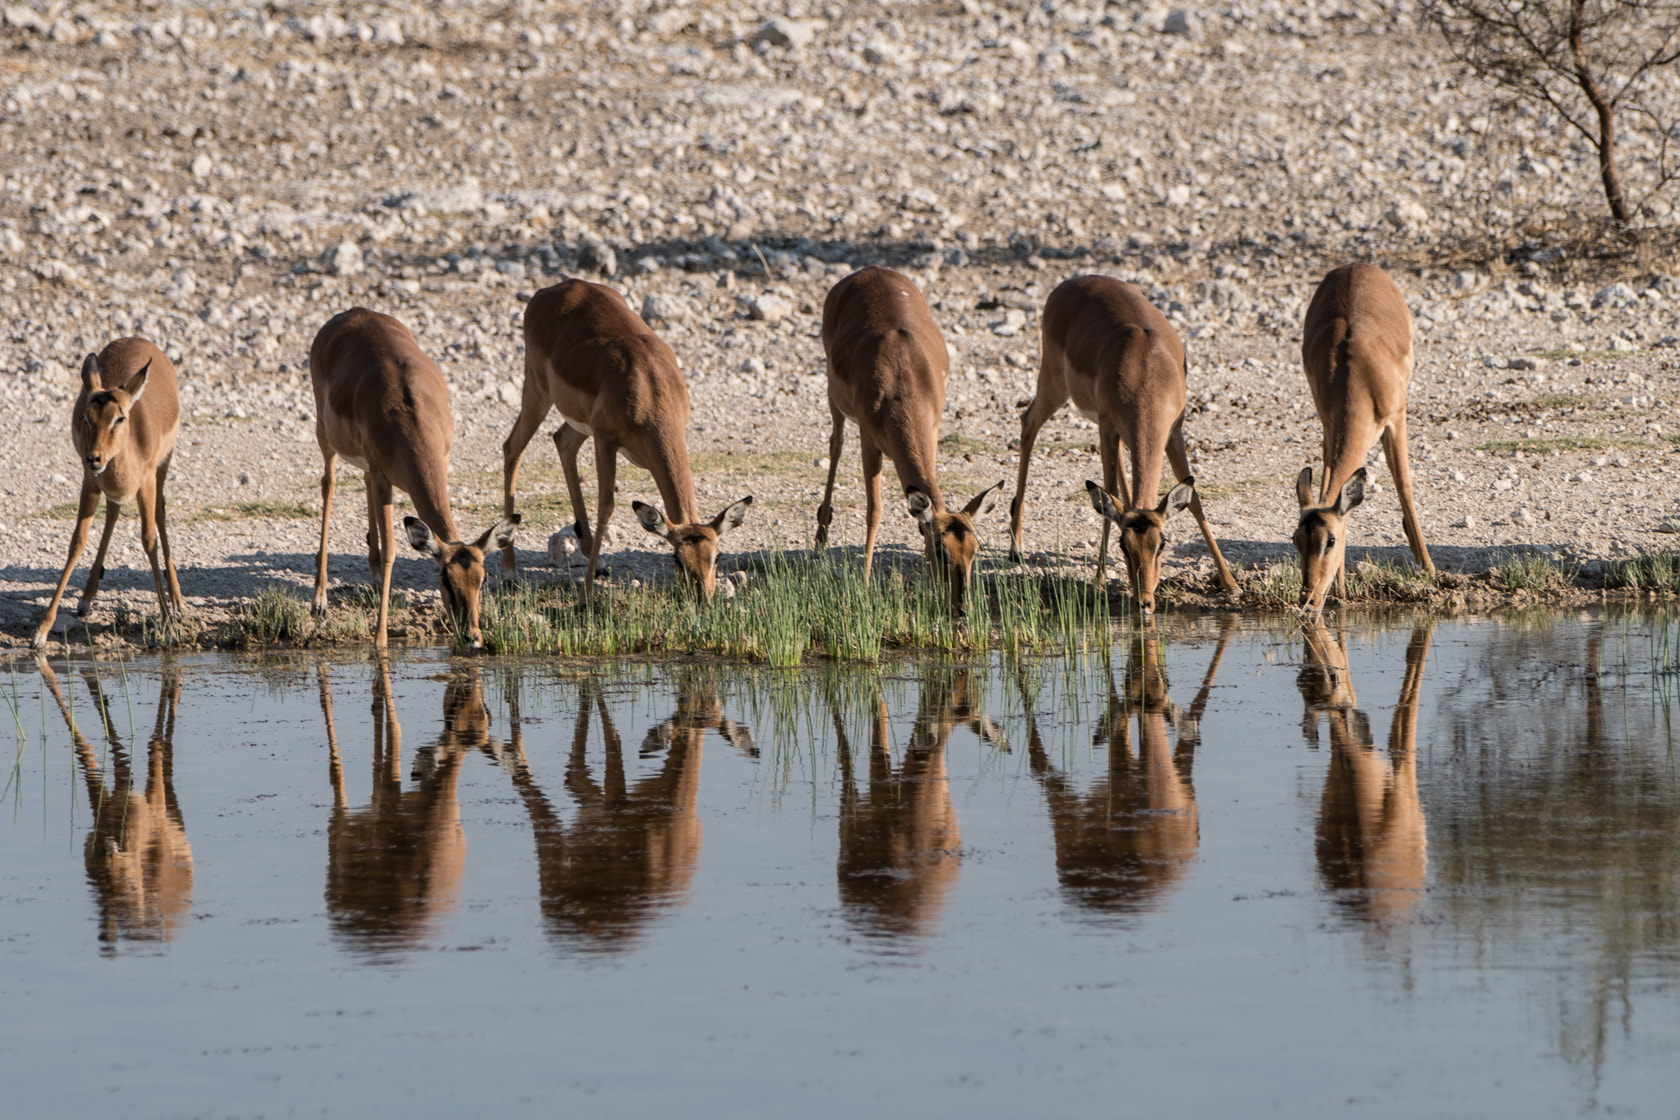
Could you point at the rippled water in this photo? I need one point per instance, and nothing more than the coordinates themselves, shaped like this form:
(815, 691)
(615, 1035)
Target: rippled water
(1236, 868)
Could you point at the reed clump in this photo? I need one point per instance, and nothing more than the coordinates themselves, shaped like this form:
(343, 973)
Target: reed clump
(1531, 571)
(798, 608)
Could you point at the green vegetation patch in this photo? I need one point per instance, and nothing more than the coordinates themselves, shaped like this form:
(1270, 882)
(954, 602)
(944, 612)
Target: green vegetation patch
(1565, 400)
(1530, 571)
(1564, 443)
(270, 508)
(803, 607)
(1654, 571)
(955, 443)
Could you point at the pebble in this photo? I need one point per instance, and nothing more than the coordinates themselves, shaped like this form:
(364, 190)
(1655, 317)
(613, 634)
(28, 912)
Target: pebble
(345, 259)
(658, 307)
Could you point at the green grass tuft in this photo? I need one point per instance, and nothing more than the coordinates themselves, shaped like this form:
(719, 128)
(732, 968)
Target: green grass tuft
(1530, 571)
(801, 607)
(276, 615)
(1653, 571)
(1566, 443)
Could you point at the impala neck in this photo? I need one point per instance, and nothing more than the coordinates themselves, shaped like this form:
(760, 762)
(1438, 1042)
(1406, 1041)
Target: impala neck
(667, 461)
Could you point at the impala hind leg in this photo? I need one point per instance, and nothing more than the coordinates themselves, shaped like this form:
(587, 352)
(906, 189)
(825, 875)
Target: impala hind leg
(329, 482)
(78, 541)
(97, 572)
(1042, 407)
(836, 443)
(379, 545)
(871, 501)
(533, 409)
(568, 441)
(1180, 460)
(1400, 467)
(169, 575)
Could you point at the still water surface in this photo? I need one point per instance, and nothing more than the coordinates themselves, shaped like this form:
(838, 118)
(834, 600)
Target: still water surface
(1236, 868)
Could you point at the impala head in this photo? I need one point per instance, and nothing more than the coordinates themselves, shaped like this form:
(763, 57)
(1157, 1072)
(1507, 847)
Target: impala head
(106, 416)
(461, 570)
(696, 545)
(1321, 536)
(1142, 536)
(949, 539)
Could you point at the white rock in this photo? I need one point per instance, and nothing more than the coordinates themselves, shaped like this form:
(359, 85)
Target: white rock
(1502, 484)
(781, 31)
(11, 242)
(752, 365)
(345, 259)
(509, 393)
(1179, 195)
(562, 545)
(1521, 517)
(1622, 345)
(1407, 216)
(1465, 522)
(770, 307)
(879, 52)
(821, 462)
(658, 307)
(201, 165)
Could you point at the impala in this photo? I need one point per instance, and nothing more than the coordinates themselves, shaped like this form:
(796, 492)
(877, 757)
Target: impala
(123, 426)
(612, 379)
(382, 405)
(1110, 350)
(887, 367)
(1356, 347)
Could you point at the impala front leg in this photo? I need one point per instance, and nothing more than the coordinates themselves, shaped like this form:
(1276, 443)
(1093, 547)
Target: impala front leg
(606, 475)
(1114, 481)
(1180, 460)
(380, 545)
(1042, 407)
(568, 441)
(163, 538)
(1400, 467)
(871, 500)
(146, 499)
(533, 407)
(78, 541)
(97, 572)
(329, 480)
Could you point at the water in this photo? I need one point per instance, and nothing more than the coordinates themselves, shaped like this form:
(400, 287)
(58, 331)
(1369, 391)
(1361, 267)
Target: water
(1237, 869)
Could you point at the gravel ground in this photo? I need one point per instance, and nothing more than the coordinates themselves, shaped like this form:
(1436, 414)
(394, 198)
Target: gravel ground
(222, 180)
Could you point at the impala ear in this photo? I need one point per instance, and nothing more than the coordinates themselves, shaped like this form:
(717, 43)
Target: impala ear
(137, 384)
(91, 373)
(1303, 487)
(732, 516)
(1102, 502)
(1353, 492)
(983, 502)
(921, 507)
(1178, 497)
(502, 531)
(652, 519)
(420, 536)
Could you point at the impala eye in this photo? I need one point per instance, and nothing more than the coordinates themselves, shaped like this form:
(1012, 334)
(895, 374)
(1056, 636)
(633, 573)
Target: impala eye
(1330, 542)
(120, 418)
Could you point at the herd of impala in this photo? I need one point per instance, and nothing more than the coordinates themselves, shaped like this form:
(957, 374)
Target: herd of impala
(383, 406)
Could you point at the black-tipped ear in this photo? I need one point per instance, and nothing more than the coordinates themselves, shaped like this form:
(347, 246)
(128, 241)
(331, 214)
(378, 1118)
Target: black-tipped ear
(1177, 498)
(731, 516)
(1303, 487)
(983, 502)
(91, 373)
(502, 531)
(1102, 502)
(1353, 492)
(921, 506)
(652, 519)
(420, 536)
(137, 384)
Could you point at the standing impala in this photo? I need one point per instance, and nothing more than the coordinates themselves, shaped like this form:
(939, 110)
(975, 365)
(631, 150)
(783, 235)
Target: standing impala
(1115, 354)
(887, 366)
(590, 356)
(382, 404)
(123, 425)
(1357, 350)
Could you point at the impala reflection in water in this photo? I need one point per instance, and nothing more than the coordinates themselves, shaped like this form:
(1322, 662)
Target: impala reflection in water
(138, 860)
(900, 841)
(1128, 841)
(1372, 847)
(630, 851)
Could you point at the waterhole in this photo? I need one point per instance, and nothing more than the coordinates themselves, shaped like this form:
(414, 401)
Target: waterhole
(1406, 867)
